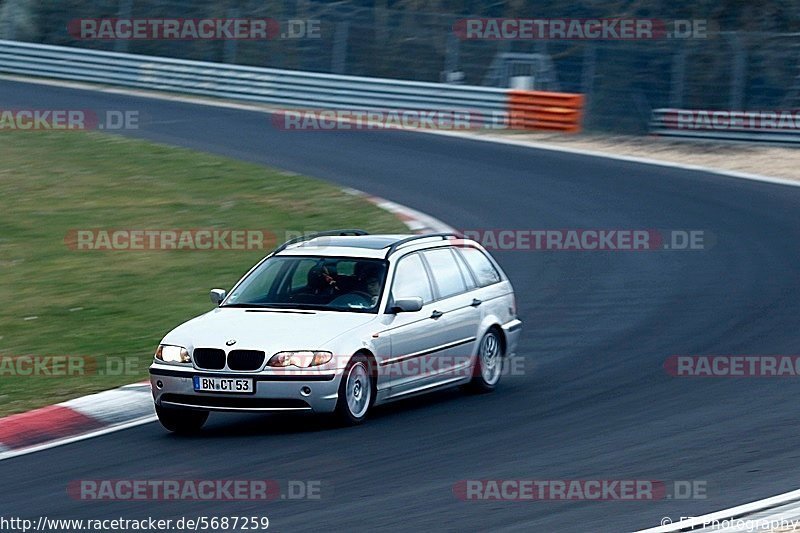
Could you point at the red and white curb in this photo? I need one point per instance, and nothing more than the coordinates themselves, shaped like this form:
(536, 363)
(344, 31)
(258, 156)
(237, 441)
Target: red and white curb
(132, 405)
(416, 221)
(77, 419)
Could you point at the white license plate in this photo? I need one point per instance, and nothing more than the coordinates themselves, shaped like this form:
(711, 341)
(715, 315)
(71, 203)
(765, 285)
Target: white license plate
(233, 385)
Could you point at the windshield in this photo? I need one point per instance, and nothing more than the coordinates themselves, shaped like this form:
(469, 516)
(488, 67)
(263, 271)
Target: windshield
(323, 283)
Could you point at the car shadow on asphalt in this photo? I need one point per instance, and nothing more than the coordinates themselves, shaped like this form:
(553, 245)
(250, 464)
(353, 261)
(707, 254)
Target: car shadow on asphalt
(232, 425)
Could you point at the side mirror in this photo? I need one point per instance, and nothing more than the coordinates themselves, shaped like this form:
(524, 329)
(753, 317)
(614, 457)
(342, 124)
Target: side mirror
(217, 295)
(407, 305)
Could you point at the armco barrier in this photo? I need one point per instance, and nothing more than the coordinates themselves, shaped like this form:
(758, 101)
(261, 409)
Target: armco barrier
(286, 88)
(775, 126)
(536, 110)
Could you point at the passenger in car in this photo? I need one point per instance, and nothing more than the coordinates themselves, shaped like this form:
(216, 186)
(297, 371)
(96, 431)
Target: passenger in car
(320, 285)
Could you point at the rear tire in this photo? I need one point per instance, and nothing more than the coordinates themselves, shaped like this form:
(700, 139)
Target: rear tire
(488, 364)
(184, 421)
(356, 392)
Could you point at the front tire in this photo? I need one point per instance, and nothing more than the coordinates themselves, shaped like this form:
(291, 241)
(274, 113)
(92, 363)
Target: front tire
(489, 363)
(355, 392)
(184, 421)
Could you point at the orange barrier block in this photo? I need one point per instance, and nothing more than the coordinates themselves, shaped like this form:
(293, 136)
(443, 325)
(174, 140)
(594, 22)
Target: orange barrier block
(541, 110)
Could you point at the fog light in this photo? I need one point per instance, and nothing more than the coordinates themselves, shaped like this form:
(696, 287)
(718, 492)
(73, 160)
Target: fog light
(305, 391)
(159, 384)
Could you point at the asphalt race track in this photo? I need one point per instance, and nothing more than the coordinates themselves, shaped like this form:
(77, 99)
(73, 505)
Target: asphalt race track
(595, 401)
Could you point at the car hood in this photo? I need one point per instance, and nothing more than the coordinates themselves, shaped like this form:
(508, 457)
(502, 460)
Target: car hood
(263, 329)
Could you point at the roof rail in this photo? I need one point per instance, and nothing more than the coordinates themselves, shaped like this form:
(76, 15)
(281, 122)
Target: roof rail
(331, 233)
(394, 246)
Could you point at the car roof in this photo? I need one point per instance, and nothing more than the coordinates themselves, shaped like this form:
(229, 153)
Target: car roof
(366, 246)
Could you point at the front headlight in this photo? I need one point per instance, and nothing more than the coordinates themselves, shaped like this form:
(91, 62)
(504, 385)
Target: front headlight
(302, 359)
(173, 354)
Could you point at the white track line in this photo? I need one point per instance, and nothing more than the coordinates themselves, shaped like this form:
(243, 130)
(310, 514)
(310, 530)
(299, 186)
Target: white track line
(741, 510)
(619, 157)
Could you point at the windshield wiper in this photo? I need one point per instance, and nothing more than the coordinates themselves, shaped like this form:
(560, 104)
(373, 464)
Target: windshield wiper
(311, 307)
(247, 305)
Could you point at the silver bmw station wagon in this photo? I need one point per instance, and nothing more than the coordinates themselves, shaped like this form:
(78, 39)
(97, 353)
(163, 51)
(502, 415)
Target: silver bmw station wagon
(338, 322)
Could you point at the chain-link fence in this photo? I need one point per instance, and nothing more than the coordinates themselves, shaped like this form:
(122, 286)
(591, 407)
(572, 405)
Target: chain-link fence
(622, 80)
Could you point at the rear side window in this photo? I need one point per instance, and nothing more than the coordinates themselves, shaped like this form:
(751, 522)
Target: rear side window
(465, 273)
(445, 271)
(484, 270)
(411, 279)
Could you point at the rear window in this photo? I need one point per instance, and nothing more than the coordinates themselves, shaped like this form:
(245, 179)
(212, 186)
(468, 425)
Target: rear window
(481, 266)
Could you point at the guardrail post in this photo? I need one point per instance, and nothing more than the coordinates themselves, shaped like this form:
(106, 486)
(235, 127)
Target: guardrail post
(124, 11)
(339, 53)
(738, 73)
(231, 46)
(451, 57)
(678, 78)
(588, 75)
(10, 12)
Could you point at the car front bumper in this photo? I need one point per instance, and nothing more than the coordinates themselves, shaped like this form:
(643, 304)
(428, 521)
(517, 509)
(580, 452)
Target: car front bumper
(296, 391)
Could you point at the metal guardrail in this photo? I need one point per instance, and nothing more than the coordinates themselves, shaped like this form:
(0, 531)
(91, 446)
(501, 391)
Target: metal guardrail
(290, 89)
(293, 89)
(746, 126)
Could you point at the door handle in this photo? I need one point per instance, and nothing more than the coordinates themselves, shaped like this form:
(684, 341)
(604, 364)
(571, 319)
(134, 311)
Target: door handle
(476, 302)
(436, 314)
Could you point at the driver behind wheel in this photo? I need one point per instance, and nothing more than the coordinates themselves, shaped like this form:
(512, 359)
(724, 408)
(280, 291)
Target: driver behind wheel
(369, 280)
(373, 288)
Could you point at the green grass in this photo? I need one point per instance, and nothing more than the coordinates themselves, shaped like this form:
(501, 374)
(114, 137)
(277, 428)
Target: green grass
(118, 304)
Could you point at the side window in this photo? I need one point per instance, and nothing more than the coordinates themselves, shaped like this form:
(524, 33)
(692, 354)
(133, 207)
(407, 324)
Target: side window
(411, 279)
(484, 270)
(465, 273)
(445, 271)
